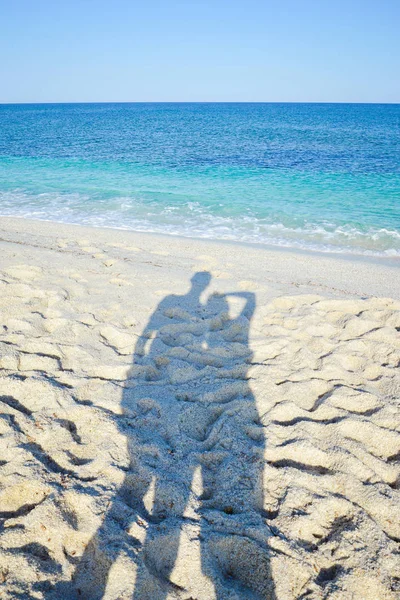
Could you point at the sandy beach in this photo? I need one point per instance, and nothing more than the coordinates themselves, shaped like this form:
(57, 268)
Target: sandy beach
(187, 419)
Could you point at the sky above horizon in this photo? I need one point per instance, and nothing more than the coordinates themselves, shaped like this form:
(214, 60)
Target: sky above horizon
(221, 50)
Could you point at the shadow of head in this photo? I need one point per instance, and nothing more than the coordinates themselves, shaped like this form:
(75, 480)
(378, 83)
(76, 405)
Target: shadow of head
(201, 279)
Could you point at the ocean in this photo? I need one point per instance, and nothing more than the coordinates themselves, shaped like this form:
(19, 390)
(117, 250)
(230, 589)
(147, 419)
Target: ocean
(322, 177)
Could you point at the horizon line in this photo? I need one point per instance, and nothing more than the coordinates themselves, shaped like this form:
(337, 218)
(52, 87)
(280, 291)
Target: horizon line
(198, 102)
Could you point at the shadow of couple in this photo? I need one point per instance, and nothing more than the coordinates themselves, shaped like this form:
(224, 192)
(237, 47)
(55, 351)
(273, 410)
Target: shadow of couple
(194, 485)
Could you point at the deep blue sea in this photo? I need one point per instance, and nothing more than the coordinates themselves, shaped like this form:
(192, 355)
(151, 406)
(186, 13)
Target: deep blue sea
(314, 176)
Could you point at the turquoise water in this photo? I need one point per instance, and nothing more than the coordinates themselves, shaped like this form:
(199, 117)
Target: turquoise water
(315, 176)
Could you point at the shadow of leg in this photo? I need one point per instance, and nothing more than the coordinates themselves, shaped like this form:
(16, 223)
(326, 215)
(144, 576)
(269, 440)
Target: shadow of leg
(160, 549)
(235, 538)
(243, 565)
(90, 579)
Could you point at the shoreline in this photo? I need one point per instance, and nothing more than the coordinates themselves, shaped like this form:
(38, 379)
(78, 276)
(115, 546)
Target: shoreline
(357, 275)
(390, 260)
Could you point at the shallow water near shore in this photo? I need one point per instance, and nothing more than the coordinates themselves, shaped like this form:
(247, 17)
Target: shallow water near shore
(315, 176)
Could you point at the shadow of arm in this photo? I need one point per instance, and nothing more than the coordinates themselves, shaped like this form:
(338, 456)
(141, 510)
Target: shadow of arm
(250, 305)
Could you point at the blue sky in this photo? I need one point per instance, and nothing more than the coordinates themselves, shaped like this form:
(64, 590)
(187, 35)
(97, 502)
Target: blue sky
(225, 50)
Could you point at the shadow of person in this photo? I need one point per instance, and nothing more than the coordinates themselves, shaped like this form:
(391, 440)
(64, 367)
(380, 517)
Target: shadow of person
(196, 455)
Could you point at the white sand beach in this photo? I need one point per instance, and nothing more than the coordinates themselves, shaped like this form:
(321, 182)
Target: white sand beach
(187, 419)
